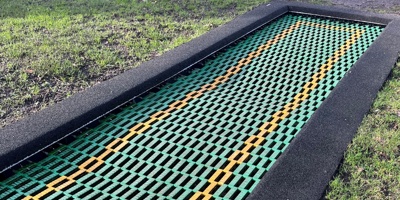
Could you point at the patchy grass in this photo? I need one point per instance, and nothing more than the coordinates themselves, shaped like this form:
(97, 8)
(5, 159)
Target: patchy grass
(52, 49)
(371, 168)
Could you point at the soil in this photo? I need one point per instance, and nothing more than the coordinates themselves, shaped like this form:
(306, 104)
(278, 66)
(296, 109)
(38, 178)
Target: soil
(382, 6)
(377, 6)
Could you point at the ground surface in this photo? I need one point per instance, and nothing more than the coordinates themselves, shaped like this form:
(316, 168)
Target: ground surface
(50, 50)
(384, 6)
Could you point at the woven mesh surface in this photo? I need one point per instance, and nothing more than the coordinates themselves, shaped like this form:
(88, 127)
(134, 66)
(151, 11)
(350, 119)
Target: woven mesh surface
(177, 154)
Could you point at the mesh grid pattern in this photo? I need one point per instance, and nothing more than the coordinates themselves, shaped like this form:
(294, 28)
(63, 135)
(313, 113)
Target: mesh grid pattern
(176, 156)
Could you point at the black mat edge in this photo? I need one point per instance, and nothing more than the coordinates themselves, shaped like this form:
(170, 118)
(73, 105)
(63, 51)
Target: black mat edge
(20, 140)
(306, 167)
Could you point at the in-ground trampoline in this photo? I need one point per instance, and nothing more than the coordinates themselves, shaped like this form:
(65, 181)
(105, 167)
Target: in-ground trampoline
(261, 108)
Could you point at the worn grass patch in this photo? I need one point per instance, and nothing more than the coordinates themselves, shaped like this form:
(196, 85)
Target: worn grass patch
(371, 168)
(52, 49)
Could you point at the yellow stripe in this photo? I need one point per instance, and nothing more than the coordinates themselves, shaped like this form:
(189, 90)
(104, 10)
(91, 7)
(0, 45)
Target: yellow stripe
(139, 128)
(239, 156)
(142, 127)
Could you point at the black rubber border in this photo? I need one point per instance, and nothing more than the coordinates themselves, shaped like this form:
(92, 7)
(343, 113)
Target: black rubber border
(304, 169)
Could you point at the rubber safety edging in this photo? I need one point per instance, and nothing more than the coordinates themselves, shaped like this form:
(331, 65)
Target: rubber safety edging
(304, 169)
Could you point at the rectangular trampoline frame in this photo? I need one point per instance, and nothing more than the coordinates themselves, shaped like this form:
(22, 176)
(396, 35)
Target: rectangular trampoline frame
(303, 171)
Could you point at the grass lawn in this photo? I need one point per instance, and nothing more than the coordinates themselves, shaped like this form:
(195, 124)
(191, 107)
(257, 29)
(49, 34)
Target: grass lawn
(52, 49)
